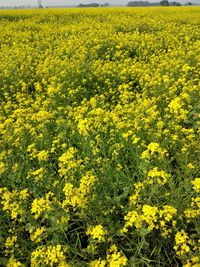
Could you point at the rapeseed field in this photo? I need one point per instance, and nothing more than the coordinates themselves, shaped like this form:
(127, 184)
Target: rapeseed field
(99, 148)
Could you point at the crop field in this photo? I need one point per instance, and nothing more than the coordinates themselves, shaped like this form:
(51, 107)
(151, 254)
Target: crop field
(99, 137)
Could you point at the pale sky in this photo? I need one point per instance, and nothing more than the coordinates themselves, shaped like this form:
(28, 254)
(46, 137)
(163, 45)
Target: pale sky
(58, 2)
(74, 2)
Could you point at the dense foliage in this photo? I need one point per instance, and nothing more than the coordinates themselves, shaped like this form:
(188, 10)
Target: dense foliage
(99, 148)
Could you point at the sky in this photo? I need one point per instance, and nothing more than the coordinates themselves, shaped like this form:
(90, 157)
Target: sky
(58, 2)
(73, 2)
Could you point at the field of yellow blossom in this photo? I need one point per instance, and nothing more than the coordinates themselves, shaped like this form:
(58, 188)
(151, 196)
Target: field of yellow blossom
(99, 147)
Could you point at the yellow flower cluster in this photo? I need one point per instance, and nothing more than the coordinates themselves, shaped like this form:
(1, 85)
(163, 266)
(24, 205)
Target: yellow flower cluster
(36, 233)
(115, 258)
(13, 202)
(78, 197)
(153, 150)
(68, 161)
(97, 232)
(194, 210)
(160, 177)
(182, 243)
(49, 256)
(196, 185)
(10, 244)
(187, 248)
(42, 155)
(152, 217)
(12, 262)
(41, 205)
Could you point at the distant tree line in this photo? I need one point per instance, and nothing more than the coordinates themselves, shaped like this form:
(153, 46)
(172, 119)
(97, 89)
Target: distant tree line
(93, 5)
(161, 3)
(89, 5)
(15, 7)
(139, 3)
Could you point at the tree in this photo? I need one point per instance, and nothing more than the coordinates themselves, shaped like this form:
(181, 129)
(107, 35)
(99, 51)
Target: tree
(164, 3)
(138, 3)
(105, 4)
(89, 5)
(175, 4)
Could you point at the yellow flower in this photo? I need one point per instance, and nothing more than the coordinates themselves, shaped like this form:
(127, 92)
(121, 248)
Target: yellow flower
(190, 166)
(167, 212)
(10, 241)
(182, 243)
(12, 262)
(2, 168)
(36, 233)
(40, 205)
(49, 256)
(196, 185)
(132, 219)
(116, 258)
(150, 216)
(153, 150)
(78, 197)
(24, 194)
(97, 232)
(98, 263)
(42, 155)
(161, 177)
(13, 201)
